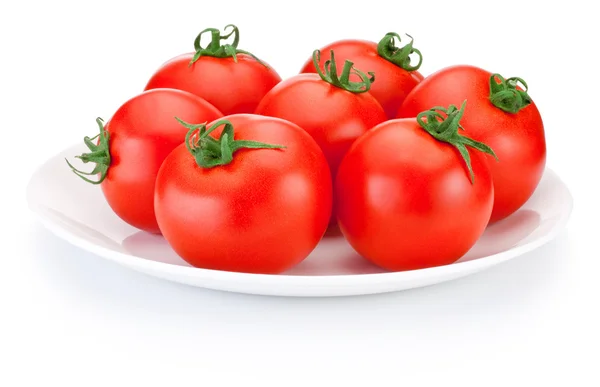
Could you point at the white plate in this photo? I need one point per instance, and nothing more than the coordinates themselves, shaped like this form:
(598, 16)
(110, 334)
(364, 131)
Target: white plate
(77, 212)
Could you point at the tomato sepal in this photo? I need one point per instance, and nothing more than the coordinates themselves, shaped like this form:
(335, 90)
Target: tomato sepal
(218, 50)
(505, 95)
(210, 152)
(329, 74)
(443, 125)
(99, 154)
(400, 56)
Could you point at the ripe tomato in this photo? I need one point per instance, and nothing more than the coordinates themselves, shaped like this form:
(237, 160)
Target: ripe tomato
(500, 114)
(411, 195)
(231, 79)
(224, 203)
(333, 110)
(395, 76)
(132, 146)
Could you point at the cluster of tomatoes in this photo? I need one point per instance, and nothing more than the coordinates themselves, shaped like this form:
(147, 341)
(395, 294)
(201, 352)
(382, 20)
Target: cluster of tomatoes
(242, 171)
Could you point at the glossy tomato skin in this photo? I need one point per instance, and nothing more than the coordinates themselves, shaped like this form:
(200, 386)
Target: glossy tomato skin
(517, 139)
(334, 117)
(392, 83)
(231, 87)
(142, 132)
(405, 200)
(262, 213)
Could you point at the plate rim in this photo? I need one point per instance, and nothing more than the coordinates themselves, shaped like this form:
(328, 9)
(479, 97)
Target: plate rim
(136, 262)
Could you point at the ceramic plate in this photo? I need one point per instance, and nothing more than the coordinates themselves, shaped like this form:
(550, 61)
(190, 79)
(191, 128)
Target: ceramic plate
(78, 213)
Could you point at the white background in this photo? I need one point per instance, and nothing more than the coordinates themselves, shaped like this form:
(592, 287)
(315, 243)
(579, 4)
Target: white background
(77, 320)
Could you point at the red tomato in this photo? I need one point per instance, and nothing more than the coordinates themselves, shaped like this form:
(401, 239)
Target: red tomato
(226, 207)
(132, 146)
(231, 79)
(405, 195)
(395, 76)
(501, 115)
(334, 111)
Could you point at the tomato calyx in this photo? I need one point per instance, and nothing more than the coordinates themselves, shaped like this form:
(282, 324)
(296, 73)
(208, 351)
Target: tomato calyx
(400, 56)
(505, 95)
(99, 154)
(443, 124)
(218, 50)
(210, 152)
(329, 74)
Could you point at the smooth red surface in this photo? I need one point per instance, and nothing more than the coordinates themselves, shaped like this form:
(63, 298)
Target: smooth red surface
(405, 200)
(143, 131)
(517, 139)
(392, 83)
(334, 117)
(262, 213)
(231, 87)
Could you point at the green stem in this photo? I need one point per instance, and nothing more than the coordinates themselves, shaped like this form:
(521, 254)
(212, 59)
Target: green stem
(400, 56)
(505, 95)
(443, 125)
(210, 152)
(99, 154)
(329, 74)
(218, 50)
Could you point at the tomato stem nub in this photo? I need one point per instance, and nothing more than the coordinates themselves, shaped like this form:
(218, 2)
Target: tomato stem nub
(445, 128)
(99, 154)
(210, 152)
(400, 56)
(505, 95)
(329, 74)
(216, 49)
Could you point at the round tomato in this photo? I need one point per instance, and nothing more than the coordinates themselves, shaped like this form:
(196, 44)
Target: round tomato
(231, 79)
(395, 75)
(413, 193)
(332, 109)
(248, 194)
(500, 114)
(132, 146)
